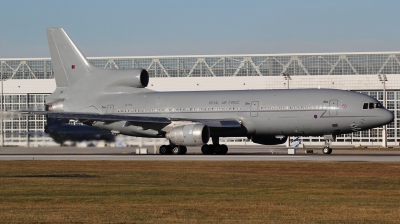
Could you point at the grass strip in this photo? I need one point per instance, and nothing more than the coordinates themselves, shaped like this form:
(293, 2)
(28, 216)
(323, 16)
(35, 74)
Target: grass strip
(199, 192)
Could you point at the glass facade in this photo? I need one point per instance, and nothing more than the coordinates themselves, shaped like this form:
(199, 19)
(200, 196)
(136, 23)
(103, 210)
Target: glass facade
(25, 128)
(225, 65)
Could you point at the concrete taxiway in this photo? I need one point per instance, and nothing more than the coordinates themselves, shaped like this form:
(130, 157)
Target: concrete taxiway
(236, 153)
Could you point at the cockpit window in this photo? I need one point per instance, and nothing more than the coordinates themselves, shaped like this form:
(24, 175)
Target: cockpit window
(367, 106)
(371, 105)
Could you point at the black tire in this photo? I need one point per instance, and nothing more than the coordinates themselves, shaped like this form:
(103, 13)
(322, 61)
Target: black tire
(220, 149)
(217, 149)
(327, 150)
(225, 149)
(204, 149)
(178, 150)
(165, 150)
(183, 150)
(212, 149)
(207, 149)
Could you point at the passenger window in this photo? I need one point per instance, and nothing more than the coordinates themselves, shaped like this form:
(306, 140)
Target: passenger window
(365, 106)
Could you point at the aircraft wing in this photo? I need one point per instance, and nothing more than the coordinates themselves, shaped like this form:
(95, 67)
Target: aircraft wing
(143, 121)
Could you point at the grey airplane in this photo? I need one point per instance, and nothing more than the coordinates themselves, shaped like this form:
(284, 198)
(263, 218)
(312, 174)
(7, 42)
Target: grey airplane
(118, 101)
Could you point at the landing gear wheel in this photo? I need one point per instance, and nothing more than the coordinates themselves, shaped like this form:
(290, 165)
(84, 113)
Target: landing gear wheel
(179, 150)
(218, 150)
(328, 144)
(207, 149)
(327, 150)
(225, 149)
(183, 150)
(165, 150)
(221, 149)
(176, 150)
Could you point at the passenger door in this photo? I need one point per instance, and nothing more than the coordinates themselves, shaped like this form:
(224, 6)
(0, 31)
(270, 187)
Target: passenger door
(254, 109)
(333, 107)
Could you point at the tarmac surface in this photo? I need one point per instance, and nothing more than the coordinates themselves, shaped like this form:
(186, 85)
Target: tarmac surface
(236, 153)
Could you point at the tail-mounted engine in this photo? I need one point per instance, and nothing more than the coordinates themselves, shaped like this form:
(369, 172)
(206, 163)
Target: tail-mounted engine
(189, 135)
(137, 78)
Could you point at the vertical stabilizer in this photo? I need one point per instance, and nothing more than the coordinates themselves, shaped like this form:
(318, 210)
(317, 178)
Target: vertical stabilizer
(69, 64)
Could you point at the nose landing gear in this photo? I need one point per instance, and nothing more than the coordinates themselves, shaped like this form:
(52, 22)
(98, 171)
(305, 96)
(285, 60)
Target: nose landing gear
(328, 144)
(327, 150)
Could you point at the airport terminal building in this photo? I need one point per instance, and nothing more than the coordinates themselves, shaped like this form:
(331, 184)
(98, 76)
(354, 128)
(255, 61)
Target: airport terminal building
(26, 82)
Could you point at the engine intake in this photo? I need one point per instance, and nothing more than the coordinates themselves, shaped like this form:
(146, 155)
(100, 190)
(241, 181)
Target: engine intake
(189, 135)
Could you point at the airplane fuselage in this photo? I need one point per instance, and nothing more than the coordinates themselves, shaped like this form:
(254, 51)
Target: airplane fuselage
(300, 112)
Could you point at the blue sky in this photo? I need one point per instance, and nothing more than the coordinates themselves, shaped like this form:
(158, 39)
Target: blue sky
(178, 27)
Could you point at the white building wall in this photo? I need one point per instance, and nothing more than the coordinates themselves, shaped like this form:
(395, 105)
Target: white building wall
(348, 82)
(31, 86)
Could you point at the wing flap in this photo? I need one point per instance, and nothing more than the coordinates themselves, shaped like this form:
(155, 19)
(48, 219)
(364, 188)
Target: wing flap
(215, 123)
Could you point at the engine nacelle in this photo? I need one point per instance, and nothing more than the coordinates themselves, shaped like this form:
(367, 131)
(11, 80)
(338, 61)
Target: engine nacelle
(189, 135)
(57, 105)
(137, 78)
(269, 140)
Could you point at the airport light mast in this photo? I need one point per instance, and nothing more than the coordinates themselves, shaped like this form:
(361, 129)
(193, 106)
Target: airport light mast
(287, 78)
(383, 79)
(2, 109)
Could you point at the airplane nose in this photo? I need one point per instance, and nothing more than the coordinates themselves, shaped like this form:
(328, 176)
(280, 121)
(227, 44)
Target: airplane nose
(384, 117)
(387, 117)
(381, 117)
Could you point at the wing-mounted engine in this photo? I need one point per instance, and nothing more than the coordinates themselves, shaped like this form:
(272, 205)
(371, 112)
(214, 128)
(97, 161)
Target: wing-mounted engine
(189, 135)
(269, 140)
(137, 78)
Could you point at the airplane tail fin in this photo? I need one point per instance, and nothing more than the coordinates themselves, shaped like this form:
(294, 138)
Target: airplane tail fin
(69, 64)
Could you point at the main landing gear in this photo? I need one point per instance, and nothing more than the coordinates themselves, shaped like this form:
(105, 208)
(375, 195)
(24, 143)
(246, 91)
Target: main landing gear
(328, 144)
(215, 148)
(172, 150)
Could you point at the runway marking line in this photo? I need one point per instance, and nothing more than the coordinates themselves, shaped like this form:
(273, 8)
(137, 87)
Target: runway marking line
(197, 156)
